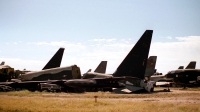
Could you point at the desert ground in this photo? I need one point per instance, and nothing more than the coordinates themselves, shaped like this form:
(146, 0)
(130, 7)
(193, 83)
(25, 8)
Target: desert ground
(177, 100)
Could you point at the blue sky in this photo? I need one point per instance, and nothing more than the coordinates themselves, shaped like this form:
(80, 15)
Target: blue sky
(91, 31)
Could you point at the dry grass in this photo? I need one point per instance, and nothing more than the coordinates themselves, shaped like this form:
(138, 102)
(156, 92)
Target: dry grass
(38, 104)
(25, 101)
(99, 94)
(180, 88)
(21, 93)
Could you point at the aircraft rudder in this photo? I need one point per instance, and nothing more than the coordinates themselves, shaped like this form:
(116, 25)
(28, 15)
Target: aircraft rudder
(191, 65)
(55, 61)
(134, 63)
(101, 68)
(150, 67)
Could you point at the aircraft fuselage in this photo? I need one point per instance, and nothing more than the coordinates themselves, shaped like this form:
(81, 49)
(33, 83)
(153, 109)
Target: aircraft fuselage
(184, 76)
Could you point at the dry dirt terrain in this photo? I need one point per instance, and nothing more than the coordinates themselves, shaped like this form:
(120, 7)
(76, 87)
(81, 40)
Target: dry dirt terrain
(175, 95)
(177, 100)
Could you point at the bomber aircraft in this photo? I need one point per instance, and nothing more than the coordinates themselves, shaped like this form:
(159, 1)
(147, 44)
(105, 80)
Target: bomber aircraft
(130, 73)
(191, 65)
(51, 73)
(186, 77)
(170, 77)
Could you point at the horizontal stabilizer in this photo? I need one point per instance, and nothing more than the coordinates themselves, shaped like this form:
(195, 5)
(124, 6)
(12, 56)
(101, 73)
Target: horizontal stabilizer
(123, 90)
(133, 88)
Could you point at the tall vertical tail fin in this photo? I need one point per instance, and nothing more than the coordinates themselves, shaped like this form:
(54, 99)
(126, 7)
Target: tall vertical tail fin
(134, 64)
(191, 65)
(180, 67)
(101, 67)
(150, 68)
(55, 61)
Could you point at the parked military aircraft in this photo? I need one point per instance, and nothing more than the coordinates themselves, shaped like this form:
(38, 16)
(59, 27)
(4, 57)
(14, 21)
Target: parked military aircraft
(55, 82)
(174, 74)
(51, 71)
(130, 73)
(186, 77)
(191, 65)
(7, 73)
(54, 62)
(150, 69)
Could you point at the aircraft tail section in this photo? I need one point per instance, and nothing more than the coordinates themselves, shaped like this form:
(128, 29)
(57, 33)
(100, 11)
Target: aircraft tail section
(191, 65)
(180, 67)
(2, 63)
(134, 64)
(150, 68)
(55, 61)
(101, 67)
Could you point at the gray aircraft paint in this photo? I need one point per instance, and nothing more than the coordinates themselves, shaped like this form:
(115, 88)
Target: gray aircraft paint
(150, 68)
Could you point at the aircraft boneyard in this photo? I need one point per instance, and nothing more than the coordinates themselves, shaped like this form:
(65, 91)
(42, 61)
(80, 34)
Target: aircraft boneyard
(129, 74)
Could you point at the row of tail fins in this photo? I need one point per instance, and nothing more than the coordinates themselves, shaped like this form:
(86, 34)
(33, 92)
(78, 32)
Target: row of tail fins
(135, 64)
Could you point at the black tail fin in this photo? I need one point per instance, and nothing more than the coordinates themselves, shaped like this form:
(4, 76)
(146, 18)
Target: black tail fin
(102, 67)
(191, 65)
(180, 67)
(55, 61)
(134, 63)
(150, 68)
(2, 63)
